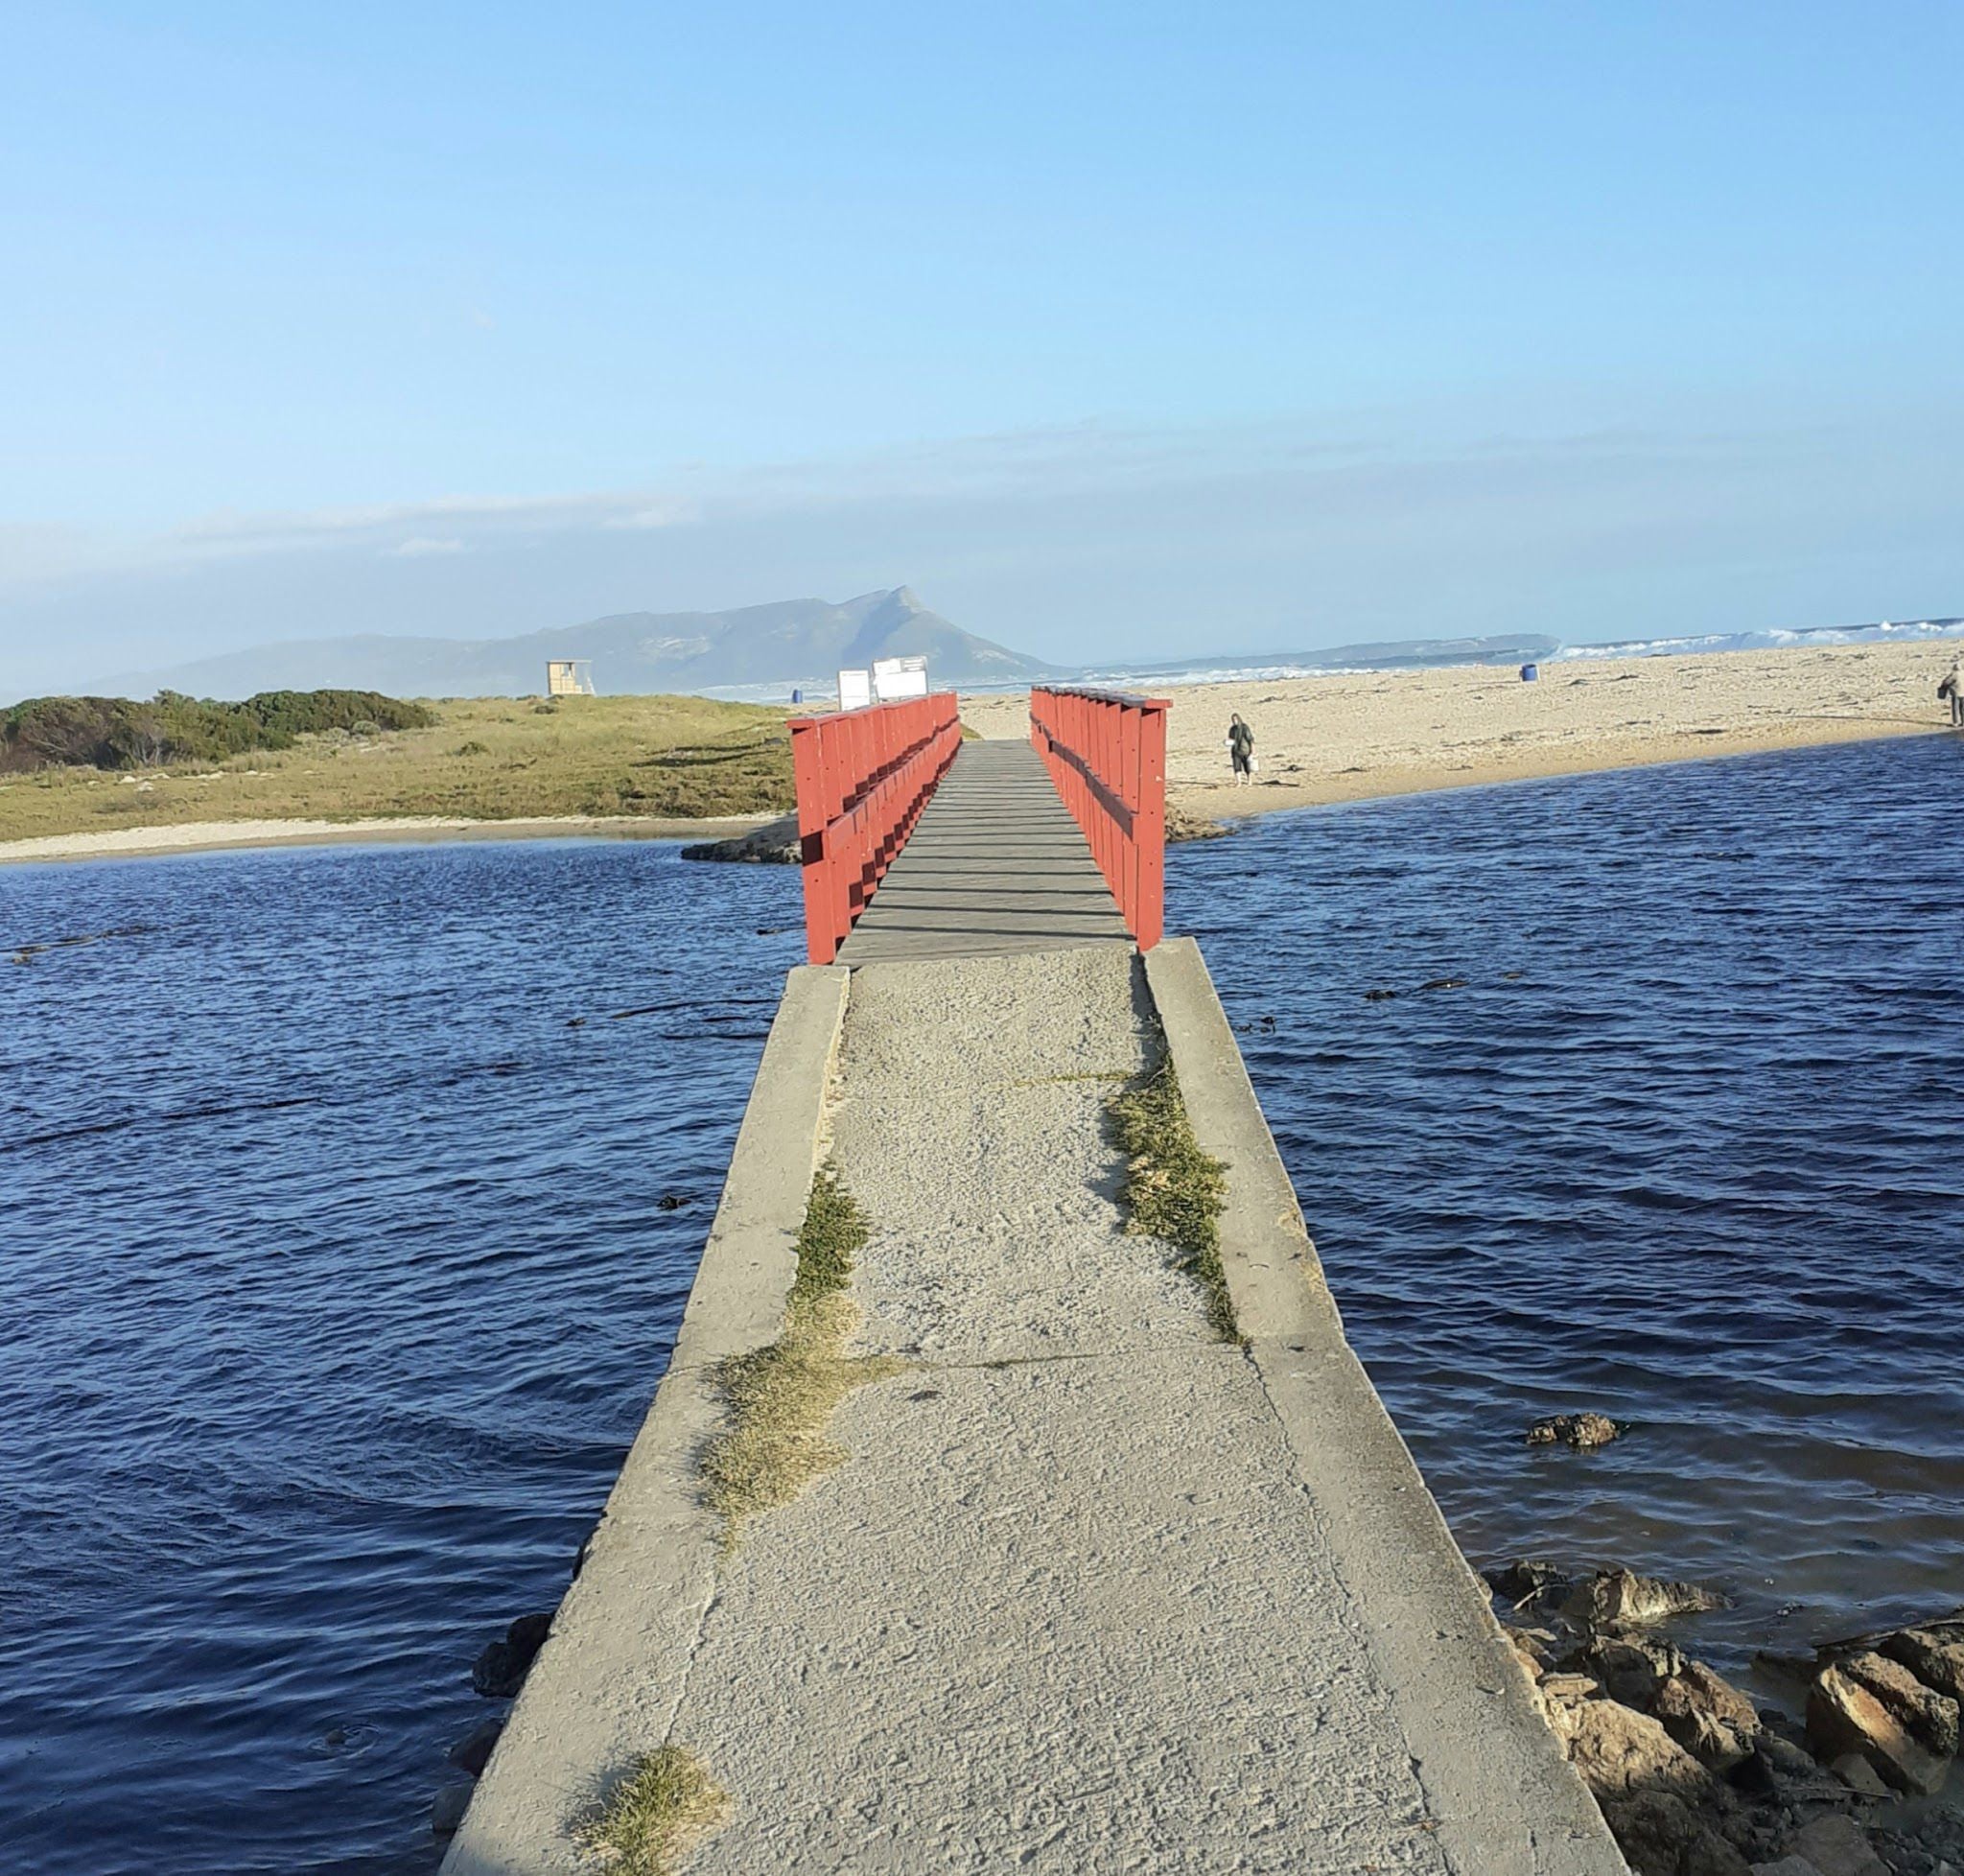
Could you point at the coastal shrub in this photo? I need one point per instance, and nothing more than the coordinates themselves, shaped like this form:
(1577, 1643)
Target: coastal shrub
(119, 733)
(1173, 1191)
(780, 1398)
(666, 1801)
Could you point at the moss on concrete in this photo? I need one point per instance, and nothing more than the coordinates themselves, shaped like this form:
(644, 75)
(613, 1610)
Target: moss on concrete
(780, 1398)
(1173, 1191)
(666, 1802)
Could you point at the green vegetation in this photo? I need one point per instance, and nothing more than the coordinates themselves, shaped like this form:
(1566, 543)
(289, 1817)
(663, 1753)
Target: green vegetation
(114, 733)
(1172, 1191)
(666, 1801)
(780, 1398)
(490, 759)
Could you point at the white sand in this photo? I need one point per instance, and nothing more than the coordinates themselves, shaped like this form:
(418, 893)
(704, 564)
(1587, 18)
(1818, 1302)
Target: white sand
(1385, 733)
(202, 836)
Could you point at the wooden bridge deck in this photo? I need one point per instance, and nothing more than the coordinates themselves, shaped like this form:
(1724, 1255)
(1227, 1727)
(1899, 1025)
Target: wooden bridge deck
(997, 864)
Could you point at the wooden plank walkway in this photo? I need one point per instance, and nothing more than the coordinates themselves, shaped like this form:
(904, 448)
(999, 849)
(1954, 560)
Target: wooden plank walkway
(995, 865)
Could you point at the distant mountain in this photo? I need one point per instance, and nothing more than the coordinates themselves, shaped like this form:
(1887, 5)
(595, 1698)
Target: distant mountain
(793, 641)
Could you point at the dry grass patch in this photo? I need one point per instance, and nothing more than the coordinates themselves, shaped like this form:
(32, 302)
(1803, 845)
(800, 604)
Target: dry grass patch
(1172, 1191)
(781, 1399)
(656, 1813)
(492, 759)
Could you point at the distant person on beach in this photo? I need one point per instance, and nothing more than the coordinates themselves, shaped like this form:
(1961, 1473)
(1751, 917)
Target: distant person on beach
(1951, 686)
(1241, 747)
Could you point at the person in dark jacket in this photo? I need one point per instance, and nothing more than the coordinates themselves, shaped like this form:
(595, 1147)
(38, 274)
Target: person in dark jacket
(1953, 687)
(1241, 748)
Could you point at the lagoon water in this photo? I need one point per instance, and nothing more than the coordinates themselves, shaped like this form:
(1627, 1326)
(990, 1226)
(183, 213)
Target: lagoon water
(333, 1279)
(1686, 1146)
(351, 1197)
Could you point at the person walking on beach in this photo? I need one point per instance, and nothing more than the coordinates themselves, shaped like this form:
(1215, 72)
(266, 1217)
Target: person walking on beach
(1953, 687)
(1241, 748)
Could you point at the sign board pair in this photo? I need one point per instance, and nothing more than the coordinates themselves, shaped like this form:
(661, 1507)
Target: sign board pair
(889, 680)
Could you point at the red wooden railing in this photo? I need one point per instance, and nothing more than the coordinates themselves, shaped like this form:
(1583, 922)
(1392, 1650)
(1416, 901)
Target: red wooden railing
(863, 778)
(1106, 753)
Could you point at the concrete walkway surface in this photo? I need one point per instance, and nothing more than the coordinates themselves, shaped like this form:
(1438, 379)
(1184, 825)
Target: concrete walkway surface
(1092, 1591)
(1070, 1607)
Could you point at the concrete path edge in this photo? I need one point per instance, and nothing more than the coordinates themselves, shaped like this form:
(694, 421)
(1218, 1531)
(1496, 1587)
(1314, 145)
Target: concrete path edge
(1506, 1802)
(611, 1677)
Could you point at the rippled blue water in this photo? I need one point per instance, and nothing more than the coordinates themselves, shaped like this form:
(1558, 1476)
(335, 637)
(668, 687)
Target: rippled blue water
(334, 1276)
(1688, 1147)
(334, 1281)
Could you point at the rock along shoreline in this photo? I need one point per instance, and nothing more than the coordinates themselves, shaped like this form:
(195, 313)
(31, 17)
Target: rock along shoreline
(1696, 1780)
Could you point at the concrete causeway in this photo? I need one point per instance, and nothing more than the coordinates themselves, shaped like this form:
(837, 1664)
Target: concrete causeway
(1093, 1591)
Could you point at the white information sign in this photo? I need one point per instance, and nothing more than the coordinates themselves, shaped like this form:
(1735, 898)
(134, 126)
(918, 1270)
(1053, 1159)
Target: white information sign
(899, 677)
(855, 689)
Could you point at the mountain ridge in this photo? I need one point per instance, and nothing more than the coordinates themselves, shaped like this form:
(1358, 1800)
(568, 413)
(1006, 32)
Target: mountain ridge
(780, 643)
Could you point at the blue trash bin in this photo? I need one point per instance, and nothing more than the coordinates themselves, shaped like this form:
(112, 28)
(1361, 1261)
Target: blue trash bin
(1530, 673)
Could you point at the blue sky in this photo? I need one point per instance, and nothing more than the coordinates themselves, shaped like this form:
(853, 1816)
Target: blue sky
(1113, 330)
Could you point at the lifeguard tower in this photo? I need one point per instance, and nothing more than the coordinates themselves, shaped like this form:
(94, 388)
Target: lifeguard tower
(569, 677)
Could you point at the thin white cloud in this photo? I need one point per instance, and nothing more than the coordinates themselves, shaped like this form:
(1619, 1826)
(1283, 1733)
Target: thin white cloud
(33, 550)
(1418, 475)
(232, 531)
(656, 514)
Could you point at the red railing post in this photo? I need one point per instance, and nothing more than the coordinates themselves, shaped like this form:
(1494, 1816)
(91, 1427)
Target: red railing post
(1106, 755)
(863, 778)
(1150, 918)
(808, 767)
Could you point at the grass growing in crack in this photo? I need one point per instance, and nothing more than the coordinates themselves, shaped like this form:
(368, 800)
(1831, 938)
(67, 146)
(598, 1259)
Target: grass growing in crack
(833, 1236)
(1172, 1191)
(666, 1801)
(780, 1398)
(1058, 1081)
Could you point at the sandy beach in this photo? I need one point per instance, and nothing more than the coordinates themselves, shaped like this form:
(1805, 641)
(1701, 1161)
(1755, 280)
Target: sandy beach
(207, 836)
(1346, 738)
(1354, 736)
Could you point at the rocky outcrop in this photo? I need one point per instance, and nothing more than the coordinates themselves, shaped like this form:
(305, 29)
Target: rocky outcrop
(447, 1810)
(1611, 1599)
(1933, 1654)
(1632, 1668)
(1695, 1780)
(1658, 1800)
(499, 1671)
(1843, 1716)
(1663, 1836)
(473, 1752)
(1836, 1846)
(1620, 1751)
(1525, 1582)
(1928, 1717)
(1532, 1649)
(1579, 1430)
(774, 844)
(1183, 824)
(1706, 1715)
